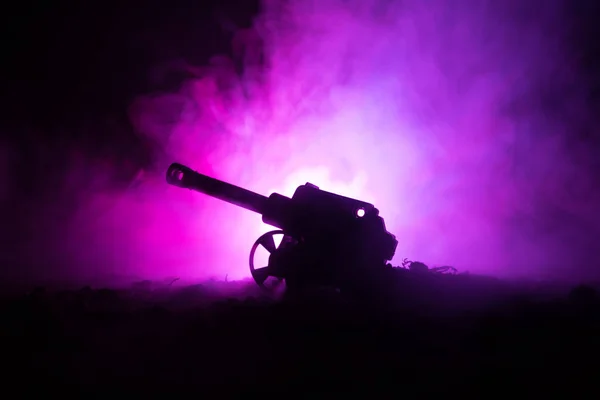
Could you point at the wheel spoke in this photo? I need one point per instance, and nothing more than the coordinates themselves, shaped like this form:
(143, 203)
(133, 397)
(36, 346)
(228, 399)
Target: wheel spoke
(268, 243)
(261, 274)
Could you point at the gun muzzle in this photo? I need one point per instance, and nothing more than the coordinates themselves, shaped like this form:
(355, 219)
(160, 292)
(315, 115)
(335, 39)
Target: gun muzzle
(184, 177)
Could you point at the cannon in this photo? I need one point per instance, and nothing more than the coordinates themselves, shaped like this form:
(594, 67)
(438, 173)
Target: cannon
(326, 239)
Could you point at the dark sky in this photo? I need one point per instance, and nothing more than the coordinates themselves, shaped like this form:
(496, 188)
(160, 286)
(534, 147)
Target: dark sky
(65, 58)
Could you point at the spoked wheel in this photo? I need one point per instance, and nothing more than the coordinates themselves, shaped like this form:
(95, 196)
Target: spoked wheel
(270, 242)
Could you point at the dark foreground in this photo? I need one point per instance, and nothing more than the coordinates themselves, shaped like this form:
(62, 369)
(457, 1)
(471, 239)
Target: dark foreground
(435, 333)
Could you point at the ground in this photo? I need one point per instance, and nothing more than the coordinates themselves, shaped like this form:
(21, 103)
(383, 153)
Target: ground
(443, 334)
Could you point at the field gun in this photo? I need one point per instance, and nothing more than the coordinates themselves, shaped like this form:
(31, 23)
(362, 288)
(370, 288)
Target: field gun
(327, 239)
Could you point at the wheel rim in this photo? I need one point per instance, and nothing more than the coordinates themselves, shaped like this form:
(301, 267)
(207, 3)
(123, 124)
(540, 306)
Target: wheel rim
(261, 274)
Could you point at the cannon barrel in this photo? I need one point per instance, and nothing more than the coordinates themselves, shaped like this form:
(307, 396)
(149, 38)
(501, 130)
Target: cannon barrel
(184, 177)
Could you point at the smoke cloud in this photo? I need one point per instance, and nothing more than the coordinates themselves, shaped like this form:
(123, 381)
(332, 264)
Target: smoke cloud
(457, 119)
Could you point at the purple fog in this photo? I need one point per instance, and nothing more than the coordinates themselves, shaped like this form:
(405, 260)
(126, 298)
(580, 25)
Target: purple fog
(453, 117)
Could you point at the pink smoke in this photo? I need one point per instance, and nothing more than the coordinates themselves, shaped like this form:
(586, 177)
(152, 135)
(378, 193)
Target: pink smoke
(430, 110)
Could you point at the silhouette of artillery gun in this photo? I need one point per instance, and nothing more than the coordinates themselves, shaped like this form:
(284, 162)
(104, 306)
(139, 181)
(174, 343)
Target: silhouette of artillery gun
(327, 239)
